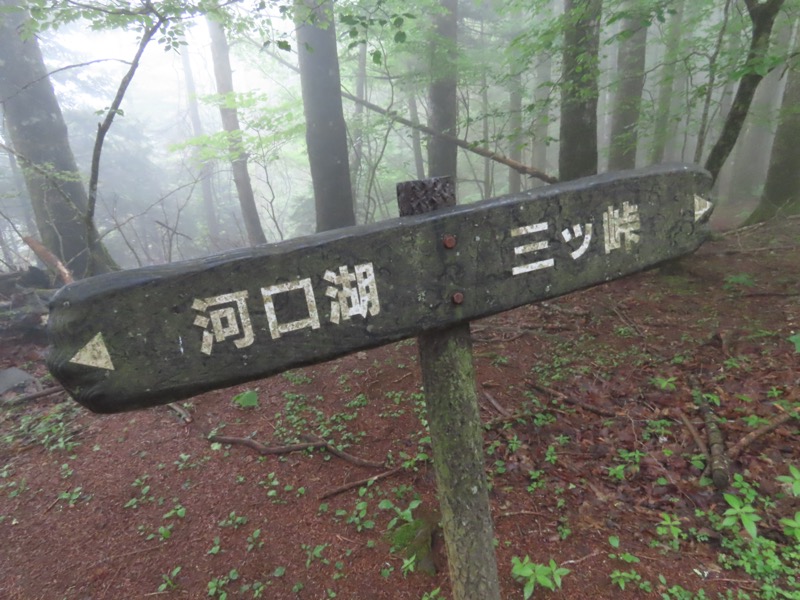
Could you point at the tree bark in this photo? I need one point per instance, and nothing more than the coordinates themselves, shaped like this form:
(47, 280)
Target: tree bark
(230, 123)
(577, 155)
(781, 195)
(416, 138)
(40, 141)
(326, 134)
(516, 133)
(541, 117)
(667, 85)
(763, 18)
(197, 131)
(628, 100)
(443, 116)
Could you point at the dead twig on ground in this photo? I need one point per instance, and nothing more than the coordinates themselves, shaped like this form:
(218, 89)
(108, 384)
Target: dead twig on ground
(33, 396)
(564, 398)
(314, 443)
(496, 404)
(360, 482)
(182, 412)
(751, 437)
(343, 455)
(755, 250)
(701, 445)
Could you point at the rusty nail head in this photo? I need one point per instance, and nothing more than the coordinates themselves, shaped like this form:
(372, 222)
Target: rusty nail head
(449, 241)
(458, 298)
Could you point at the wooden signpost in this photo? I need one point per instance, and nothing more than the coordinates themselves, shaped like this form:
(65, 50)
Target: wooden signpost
(150, 336)
(155, 335)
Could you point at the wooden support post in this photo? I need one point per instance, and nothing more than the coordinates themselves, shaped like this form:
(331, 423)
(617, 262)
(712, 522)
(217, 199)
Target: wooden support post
(448, 376)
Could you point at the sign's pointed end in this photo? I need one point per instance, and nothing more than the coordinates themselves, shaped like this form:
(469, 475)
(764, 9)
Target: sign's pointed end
(94, 354)
(701, 207)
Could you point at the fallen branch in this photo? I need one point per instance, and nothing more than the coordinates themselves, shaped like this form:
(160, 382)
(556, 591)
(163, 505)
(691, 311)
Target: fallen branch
(701, 445)
(360, 482)
(182, 412)
(49, 259)
(751, 437)
(33, 396)
(754, 250)
(471, 147)
(564, 398)
(496, 404)
(315, 443)
(343, 455)
(719, 464)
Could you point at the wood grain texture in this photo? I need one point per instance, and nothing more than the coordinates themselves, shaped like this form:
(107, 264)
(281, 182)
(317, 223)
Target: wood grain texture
(148, 316)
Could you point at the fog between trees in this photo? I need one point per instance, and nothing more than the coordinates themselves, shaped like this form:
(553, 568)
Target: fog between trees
(321, 124)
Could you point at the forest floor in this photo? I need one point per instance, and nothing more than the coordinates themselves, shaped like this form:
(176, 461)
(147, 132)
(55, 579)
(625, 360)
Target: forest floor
(597, 485)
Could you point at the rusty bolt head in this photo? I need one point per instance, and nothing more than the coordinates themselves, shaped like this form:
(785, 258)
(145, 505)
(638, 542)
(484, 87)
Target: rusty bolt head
(449, 241)
(458, 298)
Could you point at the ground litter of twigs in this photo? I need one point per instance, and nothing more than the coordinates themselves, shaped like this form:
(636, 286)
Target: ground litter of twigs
(591, 462)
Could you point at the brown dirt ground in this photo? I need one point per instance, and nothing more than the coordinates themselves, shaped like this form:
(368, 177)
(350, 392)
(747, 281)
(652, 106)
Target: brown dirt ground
(82, 496)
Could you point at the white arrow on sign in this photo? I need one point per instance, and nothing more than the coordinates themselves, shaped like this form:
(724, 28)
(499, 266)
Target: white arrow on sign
(94, 354)
(701, 207)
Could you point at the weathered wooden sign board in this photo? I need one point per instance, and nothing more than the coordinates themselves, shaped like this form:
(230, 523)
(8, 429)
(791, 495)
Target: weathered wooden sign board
(154, 335)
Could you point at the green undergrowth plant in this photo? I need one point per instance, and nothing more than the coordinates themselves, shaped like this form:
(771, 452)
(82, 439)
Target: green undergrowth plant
(773, 561)
(54, 428)
(533, 575)
(410, 533)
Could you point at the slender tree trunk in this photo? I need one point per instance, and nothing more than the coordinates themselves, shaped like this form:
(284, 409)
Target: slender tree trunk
(578, 149)
(711, 84)
(781, 195)
(230, 123)
(667, 86)
(488, 182)
(204, 175)
(763, 18)
(744, 173)
(40, 140)
(443, 116)
(515, 135)
(326, 134)
(541, 118)
(416, 138)
(358, 124)
(628, 100)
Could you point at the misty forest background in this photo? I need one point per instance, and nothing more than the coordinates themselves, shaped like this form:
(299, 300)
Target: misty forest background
(139, 133)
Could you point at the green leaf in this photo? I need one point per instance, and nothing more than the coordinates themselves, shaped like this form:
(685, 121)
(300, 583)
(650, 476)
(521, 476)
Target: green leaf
(377, 57)
(284, 45)
(248, 399)
(614, 541)
(400, 37)
(795, 339)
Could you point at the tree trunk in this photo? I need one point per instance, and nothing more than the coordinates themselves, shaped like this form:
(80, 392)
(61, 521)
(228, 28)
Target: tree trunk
(763, 18)
(666, 89)
(710, 85)
(515, 135)
(416, 141)
(628, 100)
(541, 117)
(443, 115)
(326, 134)
(230, 123)
(781, 195)
(197, 131)
(577, 155)
(357, 129)
(40, 140)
